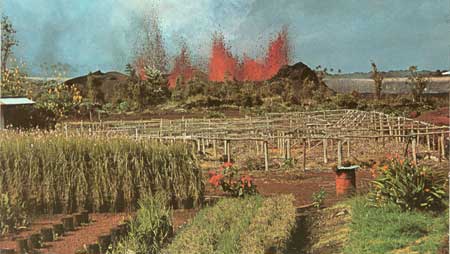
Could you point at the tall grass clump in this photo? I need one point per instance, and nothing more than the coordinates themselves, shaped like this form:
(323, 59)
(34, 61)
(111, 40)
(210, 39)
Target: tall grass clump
(52, 173)
(150, 229)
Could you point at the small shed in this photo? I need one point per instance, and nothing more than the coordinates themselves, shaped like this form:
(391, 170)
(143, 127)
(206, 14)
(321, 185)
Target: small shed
(11, 102)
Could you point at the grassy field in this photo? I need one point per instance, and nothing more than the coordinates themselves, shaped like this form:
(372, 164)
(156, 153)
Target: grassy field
(390, 230)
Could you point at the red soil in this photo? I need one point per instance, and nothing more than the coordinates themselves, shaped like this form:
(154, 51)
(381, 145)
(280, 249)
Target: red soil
(440, 116)
(301, 185)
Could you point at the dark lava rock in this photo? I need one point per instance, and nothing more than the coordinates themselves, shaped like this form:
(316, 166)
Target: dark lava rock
(298, 74)
(105, 84)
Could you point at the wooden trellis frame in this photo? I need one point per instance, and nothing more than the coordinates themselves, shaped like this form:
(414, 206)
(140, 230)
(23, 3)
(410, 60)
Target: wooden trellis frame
(330, 128)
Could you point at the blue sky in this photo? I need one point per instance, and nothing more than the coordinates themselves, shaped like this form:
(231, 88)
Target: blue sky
(343, 34)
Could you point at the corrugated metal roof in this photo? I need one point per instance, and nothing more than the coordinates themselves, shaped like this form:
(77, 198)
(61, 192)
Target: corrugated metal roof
(447, 73)
(15, 101)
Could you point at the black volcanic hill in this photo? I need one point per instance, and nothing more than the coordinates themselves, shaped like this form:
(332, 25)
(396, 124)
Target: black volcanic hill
(105, 84)
(298, 74)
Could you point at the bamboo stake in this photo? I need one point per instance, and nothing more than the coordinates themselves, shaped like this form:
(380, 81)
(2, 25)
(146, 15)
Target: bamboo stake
(414, 154)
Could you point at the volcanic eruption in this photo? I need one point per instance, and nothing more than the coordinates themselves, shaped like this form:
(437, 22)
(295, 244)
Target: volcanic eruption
(182, 68)
(224, 66)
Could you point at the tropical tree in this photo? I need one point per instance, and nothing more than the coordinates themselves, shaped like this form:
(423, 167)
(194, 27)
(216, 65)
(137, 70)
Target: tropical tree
(8, 41)
(418, 83)
(378, 80)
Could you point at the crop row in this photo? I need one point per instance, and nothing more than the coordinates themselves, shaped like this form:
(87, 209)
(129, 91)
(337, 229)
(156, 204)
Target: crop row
(53, 174)
(249, 225)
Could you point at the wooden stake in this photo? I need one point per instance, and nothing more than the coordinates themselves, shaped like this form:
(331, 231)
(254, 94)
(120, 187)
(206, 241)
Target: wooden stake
(414, 154)
(348, 149)
(288, 148)
(266, 155)
(228, 151)
(325, 156)
(225, 146)
(304, 155)
(339, 153)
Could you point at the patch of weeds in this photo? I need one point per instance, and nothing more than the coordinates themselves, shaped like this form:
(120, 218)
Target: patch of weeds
(319, 197)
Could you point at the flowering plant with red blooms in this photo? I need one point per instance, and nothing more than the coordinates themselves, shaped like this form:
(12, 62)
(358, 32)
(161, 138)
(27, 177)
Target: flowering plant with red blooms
(228, 180)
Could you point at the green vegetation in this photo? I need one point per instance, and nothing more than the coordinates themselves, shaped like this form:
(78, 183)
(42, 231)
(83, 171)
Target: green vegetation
(150, 229)
(377, 80)
(12, 215)
(246, 225)
(319, 197)
(229, 180)
(271, 228)
(389, 229)
(53, 174)
(409, 186)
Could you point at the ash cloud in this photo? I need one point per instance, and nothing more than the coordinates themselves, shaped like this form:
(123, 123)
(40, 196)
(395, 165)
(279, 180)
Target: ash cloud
(345, 34)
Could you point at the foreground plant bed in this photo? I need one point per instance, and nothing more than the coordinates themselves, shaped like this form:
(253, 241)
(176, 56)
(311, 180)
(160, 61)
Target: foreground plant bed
(224, 228)
(66, 174)
(382, 230)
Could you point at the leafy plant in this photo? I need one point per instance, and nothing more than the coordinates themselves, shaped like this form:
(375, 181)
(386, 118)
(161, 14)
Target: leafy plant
(409, 186)
(319, 197)
(288, 164)
(229, 180)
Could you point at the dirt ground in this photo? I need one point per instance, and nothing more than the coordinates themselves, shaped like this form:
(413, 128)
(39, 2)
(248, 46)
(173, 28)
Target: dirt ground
(301, 185)
(440, 116)
(274, 182)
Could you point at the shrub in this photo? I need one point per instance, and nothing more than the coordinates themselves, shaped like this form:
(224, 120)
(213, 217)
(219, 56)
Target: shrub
(252, 163)
(12, 215)
(64, 174)
(151, 228)
(271, 228)
(215, 114)
(346, 101)
(228, 179)
(409, 186)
